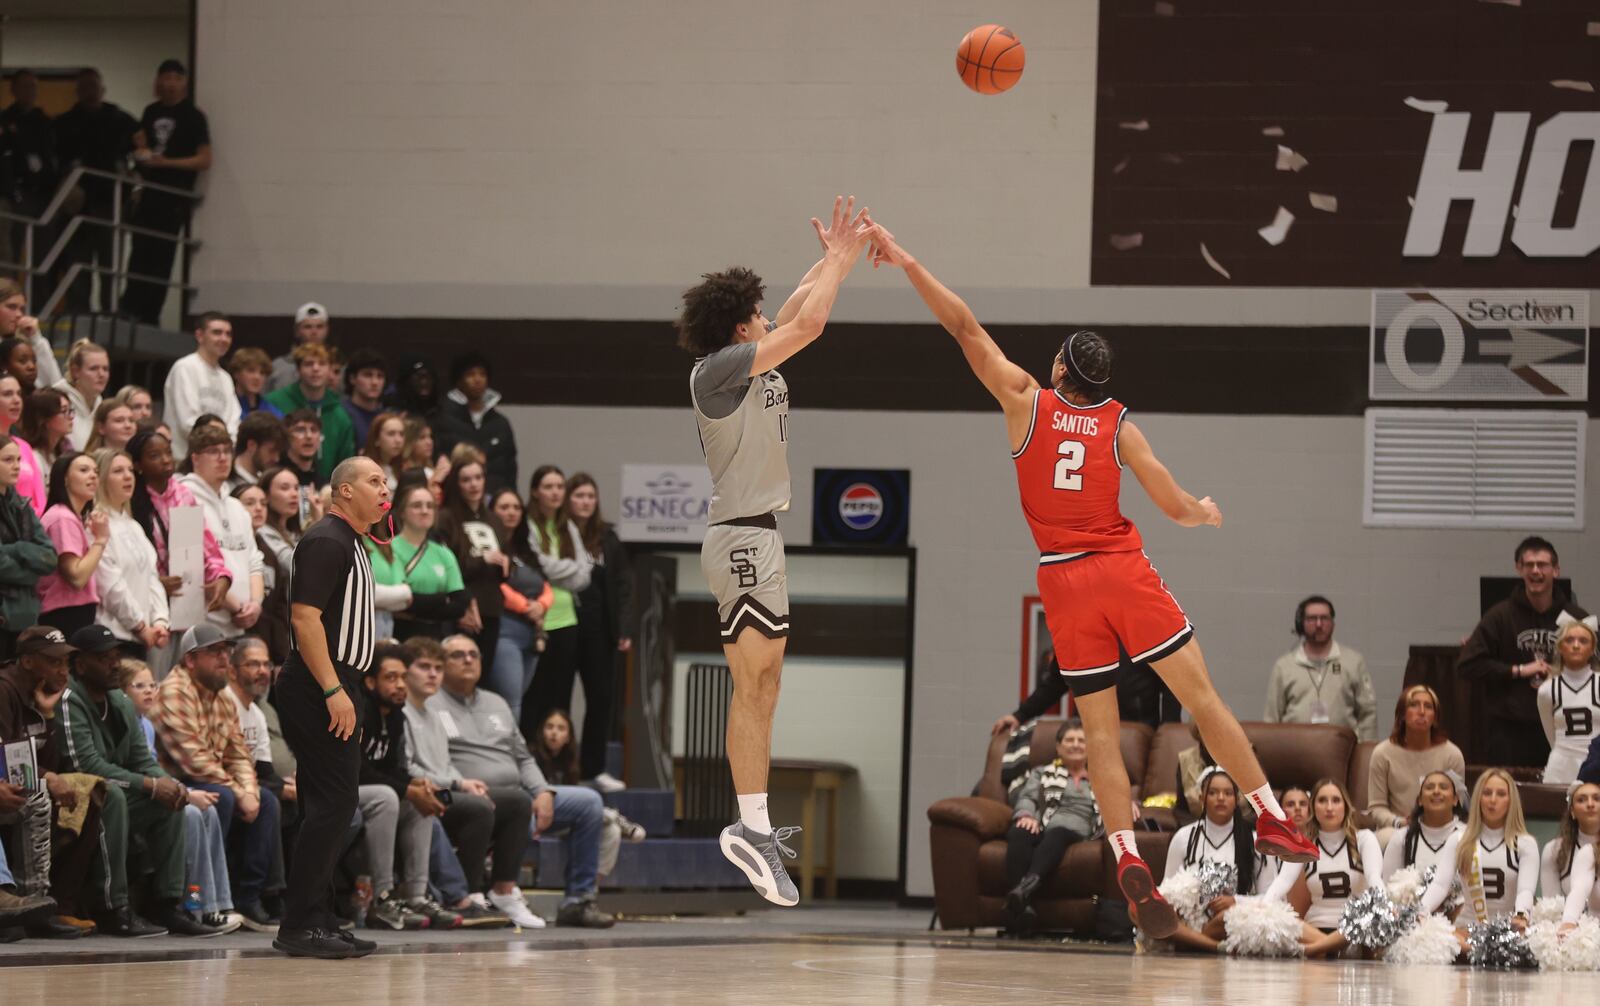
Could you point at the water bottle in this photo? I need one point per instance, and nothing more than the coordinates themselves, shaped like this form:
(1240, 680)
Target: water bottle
(361, 896)
(192, 903)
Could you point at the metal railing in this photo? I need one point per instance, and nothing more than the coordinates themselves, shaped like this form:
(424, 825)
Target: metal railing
(121, 231)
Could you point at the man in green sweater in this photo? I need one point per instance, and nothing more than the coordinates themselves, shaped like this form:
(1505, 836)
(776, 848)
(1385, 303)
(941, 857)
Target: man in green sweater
(311, 391)
(99, 731)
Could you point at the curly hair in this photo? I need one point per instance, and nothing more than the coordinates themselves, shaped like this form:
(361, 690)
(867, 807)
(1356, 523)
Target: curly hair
(712, 309)
(1087, 356)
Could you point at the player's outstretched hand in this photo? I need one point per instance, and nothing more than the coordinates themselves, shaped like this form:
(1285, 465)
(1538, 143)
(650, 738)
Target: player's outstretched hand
(884, 249)
(847, 232)
(1212, 514)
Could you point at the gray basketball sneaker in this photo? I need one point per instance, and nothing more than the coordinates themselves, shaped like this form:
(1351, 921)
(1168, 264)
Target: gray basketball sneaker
(761, 858)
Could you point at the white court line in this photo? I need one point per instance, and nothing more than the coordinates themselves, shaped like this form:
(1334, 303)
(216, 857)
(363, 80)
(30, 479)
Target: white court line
(809, 965)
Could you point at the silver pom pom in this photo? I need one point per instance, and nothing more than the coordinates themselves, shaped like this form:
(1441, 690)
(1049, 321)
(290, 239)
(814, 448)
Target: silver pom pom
(1497, 946)
(1217, 879)
(1372, 921)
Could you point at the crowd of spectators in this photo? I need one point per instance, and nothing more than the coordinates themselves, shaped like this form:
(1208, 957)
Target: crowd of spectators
(146, 553)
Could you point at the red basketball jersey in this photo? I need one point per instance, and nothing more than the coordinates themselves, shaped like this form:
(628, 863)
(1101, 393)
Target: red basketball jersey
(1069, 474)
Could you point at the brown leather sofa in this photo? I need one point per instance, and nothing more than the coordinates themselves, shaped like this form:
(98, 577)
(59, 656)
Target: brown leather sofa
(967, 833)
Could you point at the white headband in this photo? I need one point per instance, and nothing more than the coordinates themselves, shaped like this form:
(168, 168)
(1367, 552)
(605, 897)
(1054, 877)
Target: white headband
(1592, 623)
(1456, 779)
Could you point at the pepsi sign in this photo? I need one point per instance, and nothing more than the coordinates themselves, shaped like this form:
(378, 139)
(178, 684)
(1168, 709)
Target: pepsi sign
(856, 506)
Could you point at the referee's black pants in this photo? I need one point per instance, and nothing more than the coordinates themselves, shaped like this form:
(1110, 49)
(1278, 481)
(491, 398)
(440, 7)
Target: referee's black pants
(327, 781)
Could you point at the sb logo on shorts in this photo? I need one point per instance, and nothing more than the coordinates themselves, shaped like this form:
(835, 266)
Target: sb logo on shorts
(741, 567)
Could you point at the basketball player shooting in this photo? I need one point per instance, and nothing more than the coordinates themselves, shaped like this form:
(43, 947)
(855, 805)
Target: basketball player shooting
(741, 405)
(1104, 602)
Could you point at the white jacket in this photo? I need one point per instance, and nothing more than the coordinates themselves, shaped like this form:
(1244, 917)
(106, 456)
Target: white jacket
(193, 388)
(82, 413)
(229, 523)
(129, 580)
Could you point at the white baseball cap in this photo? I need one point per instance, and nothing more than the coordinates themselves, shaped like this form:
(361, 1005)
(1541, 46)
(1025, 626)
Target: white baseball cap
(310, 309)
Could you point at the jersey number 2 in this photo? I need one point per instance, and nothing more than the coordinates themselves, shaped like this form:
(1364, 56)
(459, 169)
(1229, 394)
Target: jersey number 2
(1067, 477)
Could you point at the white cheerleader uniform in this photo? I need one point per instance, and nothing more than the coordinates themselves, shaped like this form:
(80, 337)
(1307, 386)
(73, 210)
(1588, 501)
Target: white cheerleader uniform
(1577, 885)
(1569, 708)
(1334, 878)
(1429, 850)
(1506, 872)
(1201, 840)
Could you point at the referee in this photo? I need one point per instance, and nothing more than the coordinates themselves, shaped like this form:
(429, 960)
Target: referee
(331, 596)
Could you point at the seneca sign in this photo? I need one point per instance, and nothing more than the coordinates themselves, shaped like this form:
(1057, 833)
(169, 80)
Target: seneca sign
(664, 502)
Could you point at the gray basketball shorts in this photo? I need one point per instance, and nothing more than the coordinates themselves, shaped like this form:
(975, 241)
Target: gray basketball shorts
(749, 579)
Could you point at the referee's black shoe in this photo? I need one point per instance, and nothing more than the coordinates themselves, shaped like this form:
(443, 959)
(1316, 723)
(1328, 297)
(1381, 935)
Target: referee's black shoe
(324, 944)
(356, 945)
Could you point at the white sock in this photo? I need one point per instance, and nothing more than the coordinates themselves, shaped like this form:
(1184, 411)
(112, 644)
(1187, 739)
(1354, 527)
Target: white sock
(1264, 802)
(753, 812)
(1122, 843)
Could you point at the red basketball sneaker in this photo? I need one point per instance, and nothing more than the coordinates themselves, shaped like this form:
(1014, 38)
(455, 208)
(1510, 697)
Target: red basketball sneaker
(1277, 837)
(1150, 910)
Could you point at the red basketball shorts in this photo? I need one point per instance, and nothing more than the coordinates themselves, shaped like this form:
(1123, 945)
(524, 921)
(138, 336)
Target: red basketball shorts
(1104, 608)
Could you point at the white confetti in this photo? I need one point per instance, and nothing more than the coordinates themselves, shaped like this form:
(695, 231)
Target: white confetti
(1428, 105)
(1138, 127)
(1574, 85)
(1275, 232)
(1288, 160)
(1323, 202)
(1122, 165)
(1164, 9)
(1127, 242)
(1213, 263)
(1272, 131)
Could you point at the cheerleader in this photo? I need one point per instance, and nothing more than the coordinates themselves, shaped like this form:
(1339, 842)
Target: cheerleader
(1567, 866)
(1569, 702)
(1494, 857)
(1296, 804)
(1222, 835)
(1348, 862)
(1435, 818)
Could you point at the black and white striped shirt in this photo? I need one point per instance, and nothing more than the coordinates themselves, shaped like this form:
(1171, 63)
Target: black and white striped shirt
(332, 574)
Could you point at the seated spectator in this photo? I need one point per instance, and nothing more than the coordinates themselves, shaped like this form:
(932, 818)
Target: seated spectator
(88, 373)
(476, 817)
(250, 368)
(17, 359)
(113, 426)
(1575, 840)
(467, 528)
(99, 730)
(47, 424)
(27, 553)
(229, 524)
(487, 745)
(259, 446)
(1319, 681)
(18, 911)
(1192, 765)
(310, 326)
(396, 803)
(1434, 818)
(1569, 700)
(30, 692)
(250, 675)
(1054, 809)
(555, 748)
(1494, 856)
(304, 446)
(68, 597)
(205, 853)
(569, 568)
(30, 477)
(202, 745)
(133, 604)
(1224, 835)
(384, 442)
(1416, 746)
(1509, 653)
(416, 579)
(156, 494)
(527, 596)
(139, 401)
(469, 414)
(197, 384)
(312, 392)
(366, 377)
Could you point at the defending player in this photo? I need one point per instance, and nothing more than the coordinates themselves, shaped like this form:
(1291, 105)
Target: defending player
(741, 404)
(1104, 602)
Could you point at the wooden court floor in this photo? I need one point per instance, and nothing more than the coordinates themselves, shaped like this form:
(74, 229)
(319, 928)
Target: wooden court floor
(778, 973)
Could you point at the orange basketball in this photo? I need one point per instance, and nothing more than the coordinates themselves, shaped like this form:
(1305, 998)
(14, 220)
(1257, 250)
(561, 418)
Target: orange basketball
(989, 59)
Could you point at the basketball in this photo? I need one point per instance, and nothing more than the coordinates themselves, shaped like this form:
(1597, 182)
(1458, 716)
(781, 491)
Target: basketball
(990, 59)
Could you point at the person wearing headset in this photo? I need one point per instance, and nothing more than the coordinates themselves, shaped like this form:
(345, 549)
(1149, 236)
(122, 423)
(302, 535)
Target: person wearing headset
(1320, 681)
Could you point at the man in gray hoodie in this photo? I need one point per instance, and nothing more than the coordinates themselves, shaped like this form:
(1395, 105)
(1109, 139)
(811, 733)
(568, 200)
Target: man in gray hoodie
(485, 744)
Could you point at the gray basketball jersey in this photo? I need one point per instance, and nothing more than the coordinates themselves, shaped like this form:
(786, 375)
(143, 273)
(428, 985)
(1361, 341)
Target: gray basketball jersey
(747, 448)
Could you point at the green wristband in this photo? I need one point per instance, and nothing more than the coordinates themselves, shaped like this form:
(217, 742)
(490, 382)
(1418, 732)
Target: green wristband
(329, 693)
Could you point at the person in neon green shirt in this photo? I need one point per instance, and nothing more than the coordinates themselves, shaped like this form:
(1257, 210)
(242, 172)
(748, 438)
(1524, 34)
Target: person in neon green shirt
(567, 566)
(418, 580)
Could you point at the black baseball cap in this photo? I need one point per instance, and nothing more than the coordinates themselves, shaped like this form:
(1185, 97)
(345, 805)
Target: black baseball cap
(94, 639)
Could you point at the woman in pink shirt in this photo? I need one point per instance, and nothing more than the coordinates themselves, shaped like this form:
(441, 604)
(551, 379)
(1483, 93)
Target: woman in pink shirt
(155, 493)
(30, 483)
(68, 597)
